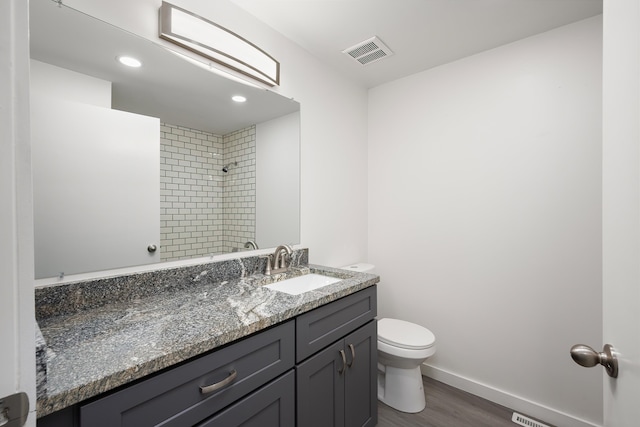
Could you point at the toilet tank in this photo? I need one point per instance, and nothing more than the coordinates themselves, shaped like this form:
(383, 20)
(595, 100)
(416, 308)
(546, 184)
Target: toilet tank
(360, 268)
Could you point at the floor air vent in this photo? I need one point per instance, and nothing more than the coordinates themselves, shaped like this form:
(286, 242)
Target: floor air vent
(368, 51)
(526, 421)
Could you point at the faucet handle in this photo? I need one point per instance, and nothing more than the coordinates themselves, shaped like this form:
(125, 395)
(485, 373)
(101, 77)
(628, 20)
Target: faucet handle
(267, 269)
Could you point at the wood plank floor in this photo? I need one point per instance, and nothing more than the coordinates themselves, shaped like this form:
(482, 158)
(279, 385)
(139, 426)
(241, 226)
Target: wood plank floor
(448, 407)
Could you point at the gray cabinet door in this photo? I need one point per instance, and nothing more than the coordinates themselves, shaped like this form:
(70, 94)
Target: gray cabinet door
(320, 389)
(336, 392)
(361, 387)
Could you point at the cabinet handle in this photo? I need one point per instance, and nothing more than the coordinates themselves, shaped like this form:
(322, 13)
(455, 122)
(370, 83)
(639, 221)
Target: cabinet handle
(344, 362)
(353, 355)
(225, 382)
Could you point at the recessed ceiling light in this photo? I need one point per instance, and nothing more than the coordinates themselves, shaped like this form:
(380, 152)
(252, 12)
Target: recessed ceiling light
(239, 98)
(129, 61)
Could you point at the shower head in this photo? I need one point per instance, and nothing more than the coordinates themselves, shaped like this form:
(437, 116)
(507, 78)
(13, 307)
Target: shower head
(225, 168)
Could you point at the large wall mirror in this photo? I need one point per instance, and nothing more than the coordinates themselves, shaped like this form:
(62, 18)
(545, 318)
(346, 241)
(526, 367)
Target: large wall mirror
(152, 164)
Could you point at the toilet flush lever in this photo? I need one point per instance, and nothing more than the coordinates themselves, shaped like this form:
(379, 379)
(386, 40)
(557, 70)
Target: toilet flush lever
(584, 355)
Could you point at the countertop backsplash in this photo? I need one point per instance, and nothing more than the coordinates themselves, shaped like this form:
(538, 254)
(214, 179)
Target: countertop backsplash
(72, 297)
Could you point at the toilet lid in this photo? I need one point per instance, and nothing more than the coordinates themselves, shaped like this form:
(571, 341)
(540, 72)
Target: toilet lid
(400, 333)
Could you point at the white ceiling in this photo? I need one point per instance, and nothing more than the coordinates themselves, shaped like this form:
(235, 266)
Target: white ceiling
(422, 33)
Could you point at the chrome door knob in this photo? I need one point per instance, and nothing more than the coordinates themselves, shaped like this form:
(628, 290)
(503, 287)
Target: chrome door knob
(584, 355)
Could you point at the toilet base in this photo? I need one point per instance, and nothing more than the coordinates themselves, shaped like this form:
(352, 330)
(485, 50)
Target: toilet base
(401, 388)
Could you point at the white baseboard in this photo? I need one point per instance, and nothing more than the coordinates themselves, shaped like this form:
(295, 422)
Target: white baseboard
(518, 404)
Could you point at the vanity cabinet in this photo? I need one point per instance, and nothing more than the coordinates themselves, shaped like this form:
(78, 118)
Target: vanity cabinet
(188, 394)
(318, 369)
(247, 374)
(336, 374)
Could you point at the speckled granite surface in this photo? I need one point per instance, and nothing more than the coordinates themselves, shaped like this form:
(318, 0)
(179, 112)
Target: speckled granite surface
(41, 360)
(102, 335)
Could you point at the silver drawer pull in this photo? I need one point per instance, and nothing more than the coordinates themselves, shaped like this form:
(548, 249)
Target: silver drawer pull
(344, 362)
(353, 355)
(217, 386)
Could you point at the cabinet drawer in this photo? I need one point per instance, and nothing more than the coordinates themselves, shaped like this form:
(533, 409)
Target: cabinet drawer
(174, 398)
(324, 325)
(272, 406)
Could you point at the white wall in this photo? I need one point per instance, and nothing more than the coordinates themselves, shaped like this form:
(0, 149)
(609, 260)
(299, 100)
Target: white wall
(485, 217)
(333, 124)
(49, 80)
(277, 183)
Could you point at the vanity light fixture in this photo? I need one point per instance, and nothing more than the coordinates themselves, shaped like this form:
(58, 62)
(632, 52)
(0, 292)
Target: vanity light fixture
(239, 98)
(216, 43)
(129, 61)
(209, 67)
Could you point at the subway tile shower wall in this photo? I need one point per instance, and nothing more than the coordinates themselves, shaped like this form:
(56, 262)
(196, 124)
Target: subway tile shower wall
(203, 210)
(239, 189)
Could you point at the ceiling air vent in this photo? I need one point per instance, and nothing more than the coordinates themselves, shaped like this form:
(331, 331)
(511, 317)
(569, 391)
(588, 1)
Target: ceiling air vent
(368, 51)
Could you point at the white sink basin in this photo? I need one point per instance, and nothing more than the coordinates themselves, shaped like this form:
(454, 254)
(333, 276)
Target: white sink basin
(302, 284)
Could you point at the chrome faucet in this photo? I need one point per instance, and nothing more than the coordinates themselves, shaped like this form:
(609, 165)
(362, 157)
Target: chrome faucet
(251, 244)
(279, 256)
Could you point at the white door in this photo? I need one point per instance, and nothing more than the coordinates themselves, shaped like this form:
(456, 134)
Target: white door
(96, 187)
(17, 355)
(621, 208)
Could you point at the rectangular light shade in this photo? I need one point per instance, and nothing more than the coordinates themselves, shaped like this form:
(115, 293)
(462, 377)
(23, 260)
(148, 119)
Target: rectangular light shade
(218, 44)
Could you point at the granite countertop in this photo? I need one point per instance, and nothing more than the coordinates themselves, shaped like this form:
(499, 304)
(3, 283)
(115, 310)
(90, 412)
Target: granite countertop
(98, 347)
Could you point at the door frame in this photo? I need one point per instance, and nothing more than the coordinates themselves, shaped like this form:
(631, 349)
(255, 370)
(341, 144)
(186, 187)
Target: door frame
(17, 317)
(621, 207)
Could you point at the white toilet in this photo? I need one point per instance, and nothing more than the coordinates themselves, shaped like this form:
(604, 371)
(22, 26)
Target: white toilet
(402, 347)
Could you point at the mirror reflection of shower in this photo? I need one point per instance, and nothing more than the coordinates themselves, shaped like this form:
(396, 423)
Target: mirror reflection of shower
(225, 168)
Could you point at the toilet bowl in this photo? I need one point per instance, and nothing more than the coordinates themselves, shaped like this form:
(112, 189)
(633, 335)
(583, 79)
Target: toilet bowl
(402, 347)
